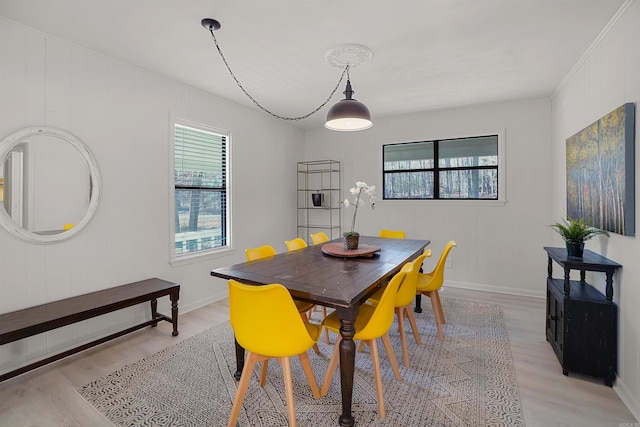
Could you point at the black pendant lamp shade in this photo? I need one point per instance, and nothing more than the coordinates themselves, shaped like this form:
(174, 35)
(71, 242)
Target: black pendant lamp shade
(348, 114)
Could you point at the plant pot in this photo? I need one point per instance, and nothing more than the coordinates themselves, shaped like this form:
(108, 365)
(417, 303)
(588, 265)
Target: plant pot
(351, 241)
(317, 199)
(575, 250)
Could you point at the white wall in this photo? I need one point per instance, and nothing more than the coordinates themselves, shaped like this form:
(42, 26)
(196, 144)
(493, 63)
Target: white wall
(499, 245)
(607, 77)
(122, 114)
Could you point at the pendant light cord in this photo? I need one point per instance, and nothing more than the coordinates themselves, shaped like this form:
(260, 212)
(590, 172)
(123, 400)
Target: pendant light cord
(257, 104)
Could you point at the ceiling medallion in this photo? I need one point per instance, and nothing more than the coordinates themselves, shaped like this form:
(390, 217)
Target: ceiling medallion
(348, 54)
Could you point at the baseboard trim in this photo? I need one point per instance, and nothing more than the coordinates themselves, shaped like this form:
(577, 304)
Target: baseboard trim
(627, 397)
(496, 289)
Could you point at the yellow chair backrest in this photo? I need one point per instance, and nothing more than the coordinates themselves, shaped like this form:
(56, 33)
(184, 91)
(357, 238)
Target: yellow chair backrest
(437, 275)
(407, 291)
(279, 333)
(391, 234)
(382, 317)
(259, 252)
(319, 237)
(68, 227)
(296, 243)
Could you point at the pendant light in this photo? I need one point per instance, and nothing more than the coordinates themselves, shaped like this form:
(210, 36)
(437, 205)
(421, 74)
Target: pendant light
(346, 115)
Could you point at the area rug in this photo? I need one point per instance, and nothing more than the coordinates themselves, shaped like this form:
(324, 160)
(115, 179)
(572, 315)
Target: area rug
(467, 380)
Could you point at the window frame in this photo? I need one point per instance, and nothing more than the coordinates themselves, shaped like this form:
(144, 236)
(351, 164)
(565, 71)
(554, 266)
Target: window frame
(501, 169)
(177, 259)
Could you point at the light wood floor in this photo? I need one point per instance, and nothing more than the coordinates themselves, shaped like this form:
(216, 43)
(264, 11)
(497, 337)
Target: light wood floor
(47, 397)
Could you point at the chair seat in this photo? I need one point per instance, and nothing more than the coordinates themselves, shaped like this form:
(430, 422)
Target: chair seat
(314, 330)
(303, 306)
(332, 321)
(375, 298)
(424, 283)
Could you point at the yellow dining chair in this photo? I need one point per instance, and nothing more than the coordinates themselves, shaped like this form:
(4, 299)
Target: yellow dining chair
(404, 297)
(319, 237)
(391, 234)
(429, 285)
(280, 335)
(297, 243)
(372, 322)
(260, 252)
(265, 251)
(292, 245)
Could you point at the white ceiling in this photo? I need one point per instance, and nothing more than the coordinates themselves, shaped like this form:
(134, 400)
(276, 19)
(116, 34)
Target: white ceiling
(427, 54)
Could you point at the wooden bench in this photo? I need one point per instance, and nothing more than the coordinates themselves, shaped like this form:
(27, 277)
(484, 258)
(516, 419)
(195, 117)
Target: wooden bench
(42, 318)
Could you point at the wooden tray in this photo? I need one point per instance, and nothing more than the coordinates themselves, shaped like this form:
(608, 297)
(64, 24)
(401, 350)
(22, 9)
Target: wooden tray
(337, 249)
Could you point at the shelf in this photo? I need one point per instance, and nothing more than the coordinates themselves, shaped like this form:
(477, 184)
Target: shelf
(319, 176)
(580, 291)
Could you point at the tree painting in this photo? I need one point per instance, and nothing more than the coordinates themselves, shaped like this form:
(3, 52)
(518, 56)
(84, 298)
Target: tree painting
(600, 172)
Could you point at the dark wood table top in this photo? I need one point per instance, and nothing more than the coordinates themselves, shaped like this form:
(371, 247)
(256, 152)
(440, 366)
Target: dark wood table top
(311, 275)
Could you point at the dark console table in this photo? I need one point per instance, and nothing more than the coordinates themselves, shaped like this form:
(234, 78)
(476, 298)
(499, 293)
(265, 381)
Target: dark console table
(582, 323)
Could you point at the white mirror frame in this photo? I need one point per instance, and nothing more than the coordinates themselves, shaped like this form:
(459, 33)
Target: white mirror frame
(10, 142)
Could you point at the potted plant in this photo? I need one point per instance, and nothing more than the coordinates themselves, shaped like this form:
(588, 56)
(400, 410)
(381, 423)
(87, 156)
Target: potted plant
(352, 238)
(575, 232)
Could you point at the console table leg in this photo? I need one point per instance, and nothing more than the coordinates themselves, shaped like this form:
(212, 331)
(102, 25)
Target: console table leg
(609, 287)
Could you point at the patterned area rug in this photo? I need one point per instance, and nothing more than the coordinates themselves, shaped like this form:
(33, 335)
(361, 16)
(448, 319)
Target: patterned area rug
(467, 380)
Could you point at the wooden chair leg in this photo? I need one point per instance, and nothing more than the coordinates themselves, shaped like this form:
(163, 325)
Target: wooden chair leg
(412, 321)
(326, 331)
(333, 363)
(247, 371)
(306, 367)
(391, 355)
(263, 373)
(437, 312)
(437, 296)
(375, 359)
(403, 336)
(288, 387)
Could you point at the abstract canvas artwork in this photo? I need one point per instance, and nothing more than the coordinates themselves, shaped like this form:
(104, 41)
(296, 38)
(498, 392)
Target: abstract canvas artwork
(600, 172)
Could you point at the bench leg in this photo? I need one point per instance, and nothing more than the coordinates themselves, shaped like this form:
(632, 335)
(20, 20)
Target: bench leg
(154, 311)
(174, 312)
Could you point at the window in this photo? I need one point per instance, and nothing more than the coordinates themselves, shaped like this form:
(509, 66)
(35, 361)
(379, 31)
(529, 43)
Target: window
(451, 169)
(200, 189)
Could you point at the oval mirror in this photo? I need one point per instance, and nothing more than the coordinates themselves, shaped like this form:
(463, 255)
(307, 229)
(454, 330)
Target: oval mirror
(49, 184)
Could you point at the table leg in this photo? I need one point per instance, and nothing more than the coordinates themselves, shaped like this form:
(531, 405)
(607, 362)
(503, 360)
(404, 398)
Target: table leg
(239, 361)
(347, 363)
(418, 307)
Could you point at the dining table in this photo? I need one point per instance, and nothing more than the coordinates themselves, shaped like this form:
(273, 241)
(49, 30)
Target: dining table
(327, 275)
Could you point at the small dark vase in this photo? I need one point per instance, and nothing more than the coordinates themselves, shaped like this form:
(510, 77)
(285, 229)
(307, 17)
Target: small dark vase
(575, 250)
(317, 199)
(351, 241)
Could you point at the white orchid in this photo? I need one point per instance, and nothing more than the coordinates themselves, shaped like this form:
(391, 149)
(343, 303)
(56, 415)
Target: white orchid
(369, 190)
